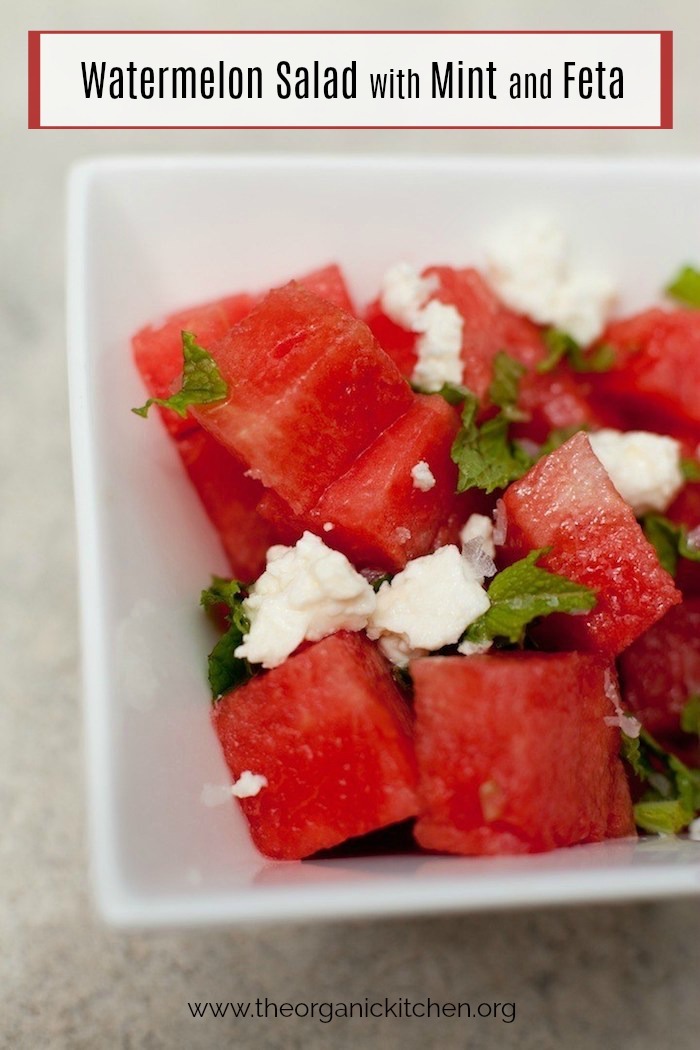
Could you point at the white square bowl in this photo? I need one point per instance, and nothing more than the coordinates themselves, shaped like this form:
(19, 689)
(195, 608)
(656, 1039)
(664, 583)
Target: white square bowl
(148, 235)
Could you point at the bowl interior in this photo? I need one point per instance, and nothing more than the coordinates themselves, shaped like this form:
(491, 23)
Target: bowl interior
(147, 236)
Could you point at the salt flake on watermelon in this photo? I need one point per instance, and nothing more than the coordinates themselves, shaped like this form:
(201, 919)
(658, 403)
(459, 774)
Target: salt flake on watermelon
(629, 725)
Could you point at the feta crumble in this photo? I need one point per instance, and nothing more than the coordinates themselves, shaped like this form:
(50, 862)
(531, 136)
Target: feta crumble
(306, 593)
(423, 477)
(328, 526)
(438, 347)
(405, 298)
(694, 830)
(644, 468)
(404, 293)
(528, 265)
(479, 527)
(426, 606)
(248, 784)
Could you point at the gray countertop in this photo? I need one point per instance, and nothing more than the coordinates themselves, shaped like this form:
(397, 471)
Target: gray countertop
(587, 977)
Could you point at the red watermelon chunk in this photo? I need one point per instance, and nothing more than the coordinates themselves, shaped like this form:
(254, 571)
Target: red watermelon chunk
(568, 503)
(661, 670)
(656, 379)
(379, 518)
(158, 348)
(488, 327)
(330, 732)
(514, 754)
(556, 400)
(328, 283)
(309, 390)
(230, 499)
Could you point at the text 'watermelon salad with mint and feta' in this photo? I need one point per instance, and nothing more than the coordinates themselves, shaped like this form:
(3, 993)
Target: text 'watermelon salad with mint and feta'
(463, 530)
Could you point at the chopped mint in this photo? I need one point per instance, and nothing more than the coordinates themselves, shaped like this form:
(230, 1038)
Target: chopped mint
(669, 540)
(661, 816)
(690, 469)
(504, 388)
(690, 715)
(685, 287)
(486, 456)
(202, 382)
(522, 593)
(673, 798)
(561, 345)
(379, 580)
(226, 670)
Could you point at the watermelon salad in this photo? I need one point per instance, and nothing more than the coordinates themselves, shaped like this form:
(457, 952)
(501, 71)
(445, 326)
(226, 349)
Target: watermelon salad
(463, 529)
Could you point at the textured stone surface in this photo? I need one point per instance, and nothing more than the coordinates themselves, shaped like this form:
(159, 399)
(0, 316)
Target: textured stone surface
(594, 977)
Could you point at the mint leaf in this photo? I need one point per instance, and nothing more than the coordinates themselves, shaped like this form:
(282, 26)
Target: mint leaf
(690, 715)
(226, 670)
(673, 798)
(685, 287)
(560, 345)
(376, 583)
(690, 469)
(669, 540)
(522, 593)
(504, 388)
(486, 457)
(202, 382)
(660, 816)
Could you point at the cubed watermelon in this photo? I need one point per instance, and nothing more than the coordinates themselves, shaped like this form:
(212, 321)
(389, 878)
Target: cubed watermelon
(230, 499)
(567, 502)
(158, 348)
(514, 753)
(556, 400)
(656, 379)
(381, 518)
(329, 283)
(331, 734)
(309, 390)
(375, 513)
(661, 670)
(488, 327)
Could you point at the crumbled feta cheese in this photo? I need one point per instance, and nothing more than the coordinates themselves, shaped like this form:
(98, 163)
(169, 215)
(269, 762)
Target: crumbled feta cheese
(423, 477)
(694, 830)
(426, 606)
(328, 526)
(473, 648)
(438, 347)
(528, 265)
(479, 527)
(306, 592)
(248, 784)
(644, 468)
(405, 298)
(404, 293)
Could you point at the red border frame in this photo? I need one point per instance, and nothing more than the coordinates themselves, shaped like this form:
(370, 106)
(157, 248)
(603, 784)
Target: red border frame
(34, 80)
